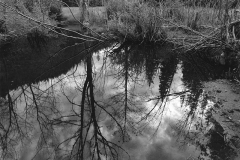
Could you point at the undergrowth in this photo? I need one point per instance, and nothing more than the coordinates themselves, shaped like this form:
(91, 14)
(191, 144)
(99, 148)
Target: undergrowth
(16, 25)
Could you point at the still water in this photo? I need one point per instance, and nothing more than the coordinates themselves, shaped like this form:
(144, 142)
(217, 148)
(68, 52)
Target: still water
(64, 99)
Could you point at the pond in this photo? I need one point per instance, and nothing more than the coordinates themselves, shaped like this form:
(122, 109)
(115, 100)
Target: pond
(66, 99)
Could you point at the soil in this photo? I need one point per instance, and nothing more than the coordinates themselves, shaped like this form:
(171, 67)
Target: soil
(226, 110)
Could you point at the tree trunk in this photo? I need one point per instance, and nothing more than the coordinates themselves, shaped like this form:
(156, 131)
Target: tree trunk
(83, 12)
(3, 11)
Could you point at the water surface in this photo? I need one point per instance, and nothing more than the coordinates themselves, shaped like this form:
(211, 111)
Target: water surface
(69, 99)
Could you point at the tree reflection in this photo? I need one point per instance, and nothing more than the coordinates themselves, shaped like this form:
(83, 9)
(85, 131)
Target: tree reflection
(197, 67)
(199, 126)
(168, 69)
(40, 113)
(75, 130)
(139, 63)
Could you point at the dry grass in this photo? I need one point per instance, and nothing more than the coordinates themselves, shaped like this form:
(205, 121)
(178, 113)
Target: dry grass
(18, 25)
(137, 22)
(194, 17)
(97, 16)
(143, 21)
(71, 13)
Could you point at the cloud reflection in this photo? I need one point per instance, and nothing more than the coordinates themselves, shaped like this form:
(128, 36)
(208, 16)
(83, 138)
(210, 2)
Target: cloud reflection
(141, 146)
(164, 146)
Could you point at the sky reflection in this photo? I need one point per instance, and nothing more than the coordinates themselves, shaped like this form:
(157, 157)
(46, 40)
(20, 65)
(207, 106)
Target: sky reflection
(154, 138)
(165, 114)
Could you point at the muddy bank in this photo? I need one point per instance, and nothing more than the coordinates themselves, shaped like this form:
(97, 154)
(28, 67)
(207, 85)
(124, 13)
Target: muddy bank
(226, 109)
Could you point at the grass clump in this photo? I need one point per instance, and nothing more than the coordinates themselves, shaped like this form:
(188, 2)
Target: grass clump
(136, 22)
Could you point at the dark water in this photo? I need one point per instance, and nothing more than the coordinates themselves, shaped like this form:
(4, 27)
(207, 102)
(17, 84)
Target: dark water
(65, 99)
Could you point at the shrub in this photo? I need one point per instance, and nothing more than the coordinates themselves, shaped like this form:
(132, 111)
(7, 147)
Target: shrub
(55, 13)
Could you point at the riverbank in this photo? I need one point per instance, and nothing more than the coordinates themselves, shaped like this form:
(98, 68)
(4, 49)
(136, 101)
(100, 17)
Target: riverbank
(174, 22)
(185, 26)
(226, 109)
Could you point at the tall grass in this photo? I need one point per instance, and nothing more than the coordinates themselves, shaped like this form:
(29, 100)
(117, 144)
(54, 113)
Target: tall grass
(134, 21)
(151, 20)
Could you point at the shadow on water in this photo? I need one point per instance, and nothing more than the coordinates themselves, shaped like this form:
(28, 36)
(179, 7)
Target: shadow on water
(113, 93)
(32, 60)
